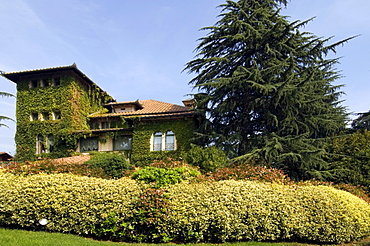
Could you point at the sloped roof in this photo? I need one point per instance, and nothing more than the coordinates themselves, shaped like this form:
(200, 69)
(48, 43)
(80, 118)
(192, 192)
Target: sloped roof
(5, 156)
(150, 108)
(15, 76)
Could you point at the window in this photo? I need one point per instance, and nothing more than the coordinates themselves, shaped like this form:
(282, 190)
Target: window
(89, 144)
(45, 82)
(157, 141)
(33, 83)
(93, 125)
(163, 142)
(56, 81)
(43, 146)
(170, 140)
(122, 143)
(50, 143)
(45, 116)
(40, 147)
(57, 115)
(104, 125)
(34, 116)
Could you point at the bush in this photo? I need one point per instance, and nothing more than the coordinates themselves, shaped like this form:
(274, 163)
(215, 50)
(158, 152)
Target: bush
(188, 212)
(142, 224)
(70, 203)
(160, 177)
(112, 164)
(249, 172)
(48, 166)
(208, 159)
(248, 210)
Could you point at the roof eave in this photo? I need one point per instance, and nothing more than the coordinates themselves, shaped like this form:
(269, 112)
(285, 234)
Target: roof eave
(15, 76)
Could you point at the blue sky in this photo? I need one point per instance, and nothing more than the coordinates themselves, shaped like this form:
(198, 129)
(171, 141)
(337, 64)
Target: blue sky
(138, 49)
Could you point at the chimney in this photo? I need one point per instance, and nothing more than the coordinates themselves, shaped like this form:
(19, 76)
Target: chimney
(190, 103)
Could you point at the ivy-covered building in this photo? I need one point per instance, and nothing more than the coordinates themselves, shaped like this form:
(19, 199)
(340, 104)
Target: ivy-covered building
(61, 111)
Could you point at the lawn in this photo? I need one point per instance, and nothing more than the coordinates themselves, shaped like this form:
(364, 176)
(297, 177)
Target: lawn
(30, 238)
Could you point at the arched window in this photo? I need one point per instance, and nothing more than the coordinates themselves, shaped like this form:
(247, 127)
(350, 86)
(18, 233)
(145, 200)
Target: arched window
(157, 141)
(170, 140)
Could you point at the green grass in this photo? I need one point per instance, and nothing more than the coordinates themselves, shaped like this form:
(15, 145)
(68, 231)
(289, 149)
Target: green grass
(31, 238)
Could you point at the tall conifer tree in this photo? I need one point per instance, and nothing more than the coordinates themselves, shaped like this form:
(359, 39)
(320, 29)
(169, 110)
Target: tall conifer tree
(265, 88)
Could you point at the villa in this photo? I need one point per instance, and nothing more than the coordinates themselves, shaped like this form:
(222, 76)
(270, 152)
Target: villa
(60, 111)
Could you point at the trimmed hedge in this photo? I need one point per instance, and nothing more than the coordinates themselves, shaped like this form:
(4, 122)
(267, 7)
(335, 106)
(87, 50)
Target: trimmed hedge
(248, 210)
(70, 203)
(187, 212)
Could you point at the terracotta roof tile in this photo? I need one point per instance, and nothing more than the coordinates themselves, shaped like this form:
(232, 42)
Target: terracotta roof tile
(79, 159)
(151, 108)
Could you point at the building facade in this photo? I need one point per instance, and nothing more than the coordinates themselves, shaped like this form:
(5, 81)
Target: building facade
(60, 111)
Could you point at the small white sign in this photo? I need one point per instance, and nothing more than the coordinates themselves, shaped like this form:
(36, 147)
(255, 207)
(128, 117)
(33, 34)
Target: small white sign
(43, 222)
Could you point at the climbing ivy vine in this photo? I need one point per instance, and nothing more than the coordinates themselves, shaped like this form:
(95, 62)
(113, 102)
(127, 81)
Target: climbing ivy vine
(75, 101)
(71, 99)
(141, 154)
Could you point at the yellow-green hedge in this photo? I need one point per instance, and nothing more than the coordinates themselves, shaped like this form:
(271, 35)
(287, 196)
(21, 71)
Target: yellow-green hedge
(248, 210)
(187, 212)
(70, 203)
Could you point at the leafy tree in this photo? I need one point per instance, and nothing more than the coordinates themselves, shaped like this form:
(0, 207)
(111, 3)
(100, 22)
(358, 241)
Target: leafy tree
(362, 122)
(5, 94)
(349, 159)
(265, 88)
(208, 159)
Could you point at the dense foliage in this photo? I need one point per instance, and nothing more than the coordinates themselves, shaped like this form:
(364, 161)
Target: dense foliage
(265, 88)
(74, 103)
(70, 203)
(141, 154)
(208, 159)
(113, 164)
(349, 159)
(187, 212)
(362, 122)
(161, 177)
(49, 166)
(246, 210)
(249, 172)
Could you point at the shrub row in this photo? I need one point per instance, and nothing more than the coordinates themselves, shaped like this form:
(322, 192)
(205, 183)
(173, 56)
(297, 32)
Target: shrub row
(248, 210)
(188, 212)
(70, 203)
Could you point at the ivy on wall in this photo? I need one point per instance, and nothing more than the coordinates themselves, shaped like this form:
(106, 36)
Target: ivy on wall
(74, 102)
(143, 130)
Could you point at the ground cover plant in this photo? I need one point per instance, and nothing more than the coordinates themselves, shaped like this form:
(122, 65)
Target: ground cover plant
(208, 211)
